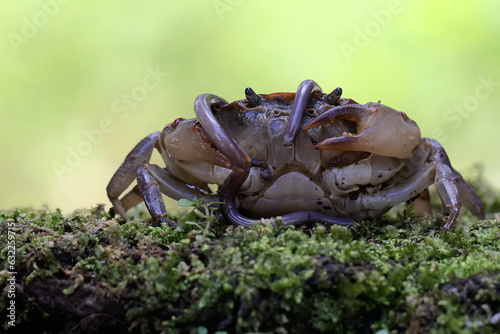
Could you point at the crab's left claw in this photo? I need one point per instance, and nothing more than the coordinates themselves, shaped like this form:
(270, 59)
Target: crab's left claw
(379, 129)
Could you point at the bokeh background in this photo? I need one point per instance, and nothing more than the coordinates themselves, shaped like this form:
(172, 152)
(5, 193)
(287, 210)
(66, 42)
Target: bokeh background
(83, 81)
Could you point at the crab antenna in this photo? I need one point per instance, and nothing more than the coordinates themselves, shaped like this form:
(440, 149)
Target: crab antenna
(304, 92)
(254, 100)
(334, 96)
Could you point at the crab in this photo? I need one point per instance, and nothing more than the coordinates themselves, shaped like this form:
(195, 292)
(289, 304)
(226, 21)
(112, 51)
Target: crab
(307, 157)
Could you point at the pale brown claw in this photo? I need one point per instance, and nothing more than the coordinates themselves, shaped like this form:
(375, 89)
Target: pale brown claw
(379, 129)
(218, 135)
(181, 132)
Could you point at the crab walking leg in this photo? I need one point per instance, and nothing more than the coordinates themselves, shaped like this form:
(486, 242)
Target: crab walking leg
(423, 202)
(445, 184)
(131, 199)
(304, 92)
(175, 188)
(150, 191)
(407, 189)
(448, 192)
(468, 196)
(224, 143)
(127, 172)
(453, 187)
(438, 171)
(227, 194)
(435, 172)
(230, 188)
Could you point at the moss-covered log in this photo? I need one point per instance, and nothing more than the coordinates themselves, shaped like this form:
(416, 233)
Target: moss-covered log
(87, 273)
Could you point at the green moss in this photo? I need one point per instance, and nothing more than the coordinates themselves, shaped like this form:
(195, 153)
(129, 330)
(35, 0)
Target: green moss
(395, 274)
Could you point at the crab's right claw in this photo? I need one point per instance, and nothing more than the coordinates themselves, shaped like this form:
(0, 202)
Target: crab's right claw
(214, 131)
(379, 129)
(182, 131)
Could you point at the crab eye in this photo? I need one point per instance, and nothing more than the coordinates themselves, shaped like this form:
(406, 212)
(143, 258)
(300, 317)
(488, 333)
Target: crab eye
(405, 117)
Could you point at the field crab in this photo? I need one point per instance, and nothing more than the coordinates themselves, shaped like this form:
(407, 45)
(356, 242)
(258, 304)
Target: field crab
(305, 156)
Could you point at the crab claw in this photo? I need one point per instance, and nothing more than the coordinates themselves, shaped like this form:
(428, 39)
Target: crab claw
(379, 129)
(182, 131)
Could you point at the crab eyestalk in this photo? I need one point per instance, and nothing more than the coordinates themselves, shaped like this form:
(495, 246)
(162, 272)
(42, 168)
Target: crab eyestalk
(334, 96)
(254, 100)
(380, 130)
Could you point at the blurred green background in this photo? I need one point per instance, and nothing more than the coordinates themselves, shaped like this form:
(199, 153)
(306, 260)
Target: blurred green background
(83, 81)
